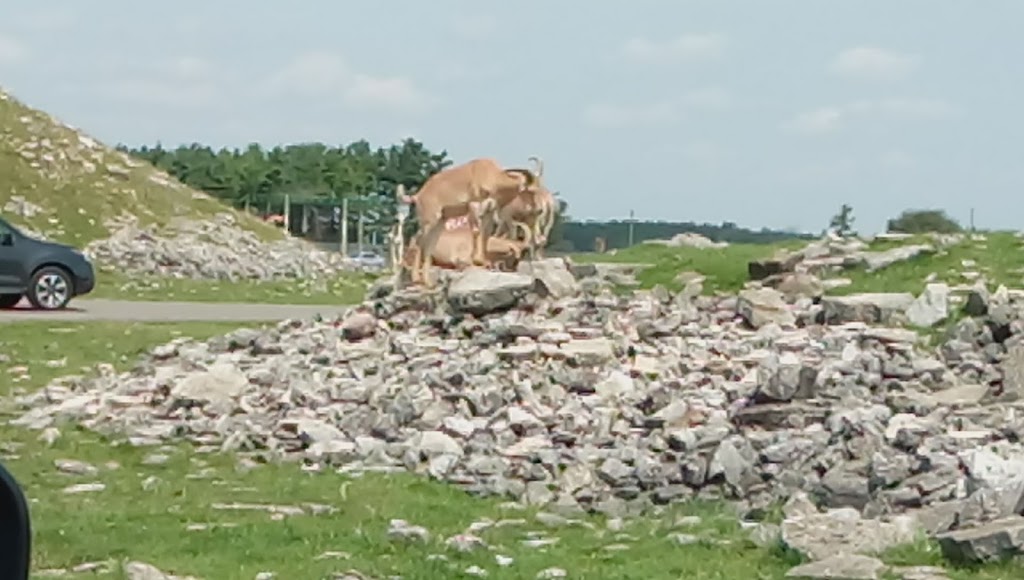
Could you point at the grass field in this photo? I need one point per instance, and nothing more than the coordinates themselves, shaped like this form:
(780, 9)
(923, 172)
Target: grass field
(161, 510)
(725, 268)
(78, 184)
(999, 257)
(344, 289)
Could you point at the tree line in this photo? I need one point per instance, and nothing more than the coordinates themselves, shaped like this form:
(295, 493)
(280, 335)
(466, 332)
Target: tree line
(259, 180)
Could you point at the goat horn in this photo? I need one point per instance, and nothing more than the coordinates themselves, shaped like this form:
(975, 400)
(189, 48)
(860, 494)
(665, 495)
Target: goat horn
(539, 163)
(531, 179)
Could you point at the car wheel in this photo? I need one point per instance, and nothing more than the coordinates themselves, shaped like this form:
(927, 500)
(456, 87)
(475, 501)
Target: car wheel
(50, 289)
(9, 300)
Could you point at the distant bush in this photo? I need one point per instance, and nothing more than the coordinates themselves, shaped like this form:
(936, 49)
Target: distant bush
(919, 221)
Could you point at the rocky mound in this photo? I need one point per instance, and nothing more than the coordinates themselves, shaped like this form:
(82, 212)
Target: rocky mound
(213, 249)
(554, 391)
(833, 254)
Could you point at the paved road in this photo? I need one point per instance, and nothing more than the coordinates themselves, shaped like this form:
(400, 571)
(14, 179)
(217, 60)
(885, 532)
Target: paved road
(120, 310)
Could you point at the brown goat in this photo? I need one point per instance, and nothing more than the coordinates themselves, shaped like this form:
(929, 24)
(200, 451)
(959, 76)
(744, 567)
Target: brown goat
(535, 211)
(454, 251)
(477, 189)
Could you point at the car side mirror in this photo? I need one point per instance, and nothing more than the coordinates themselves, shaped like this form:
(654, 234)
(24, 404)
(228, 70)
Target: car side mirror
(15, 528)
(6, 239)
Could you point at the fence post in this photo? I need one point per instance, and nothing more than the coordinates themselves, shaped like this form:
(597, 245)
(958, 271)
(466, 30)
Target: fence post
(359, 233)
(632, 220)
(287, 213)
(344, 226)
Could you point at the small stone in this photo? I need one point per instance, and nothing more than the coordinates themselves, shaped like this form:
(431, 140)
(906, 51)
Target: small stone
(840, 567)
(84, 488)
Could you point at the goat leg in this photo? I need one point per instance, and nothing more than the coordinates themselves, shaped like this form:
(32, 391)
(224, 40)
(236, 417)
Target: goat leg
(480, 224)
(428, 244)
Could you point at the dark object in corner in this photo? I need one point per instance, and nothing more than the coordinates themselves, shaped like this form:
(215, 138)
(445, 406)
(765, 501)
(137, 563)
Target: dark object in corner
(15, 529)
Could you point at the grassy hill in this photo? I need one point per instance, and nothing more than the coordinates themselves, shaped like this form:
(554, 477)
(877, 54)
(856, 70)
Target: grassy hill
(61, 183)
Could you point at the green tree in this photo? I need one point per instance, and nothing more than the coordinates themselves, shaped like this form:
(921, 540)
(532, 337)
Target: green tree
(917, 221)
(842, 222)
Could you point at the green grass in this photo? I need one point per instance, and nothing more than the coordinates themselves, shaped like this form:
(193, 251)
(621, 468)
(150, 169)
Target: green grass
(145, 512)
(344, 289)
(725, 269)
(126, 522)
(79, 187)
(34, 353)
(1000, 258)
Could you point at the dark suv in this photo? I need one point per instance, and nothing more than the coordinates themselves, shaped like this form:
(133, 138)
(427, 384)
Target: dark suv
(47, 273)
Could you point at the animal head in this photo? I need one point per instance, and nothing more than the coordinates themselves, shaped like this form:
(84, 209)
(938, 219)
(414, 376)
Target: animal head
(526, 179)
(531, 180)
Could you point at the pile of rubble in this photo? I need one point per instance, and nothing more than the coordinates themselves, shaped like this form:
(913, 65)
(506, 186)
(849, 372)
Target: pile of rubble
(833, 253)
(689, 240)
(213, 249)
(553, 390)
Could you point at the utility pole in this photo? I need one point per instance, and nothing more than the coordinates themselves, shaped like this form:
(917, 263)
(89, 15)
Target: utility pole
(287, 213)
(631, 220)
(359, 232)
(972, 220)
(344, 226)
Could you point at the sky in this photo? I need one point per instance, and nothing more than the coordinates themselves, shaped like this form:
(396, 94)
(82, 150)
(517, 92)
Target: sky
(767, 114)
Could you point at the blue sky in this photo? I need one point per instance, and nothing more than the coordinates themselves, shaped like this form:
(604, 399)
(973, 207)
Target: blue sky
(763, 113)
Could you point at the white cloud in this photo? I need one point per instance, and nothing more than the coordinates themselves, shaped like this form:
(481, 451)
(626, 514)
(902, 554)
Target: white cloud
(161, 93)
(897, 159)
(832, 118)
(192, 68)
(12, 51)
(48, 19)
(703, 153)
(313, 74)
(873, 63)
(829, 169)
(609, 116)
(184, 82)
(687, 47)
(449, 71)
(707, 98)
(903, 108)
(392, 93)
(327, 75)
(666, 112)
(820, 120)
(474, 26)
(455, 71)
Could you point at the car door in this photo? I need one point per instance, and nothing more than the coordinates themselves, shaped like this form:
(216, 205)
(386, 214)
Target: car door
(10, 262)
